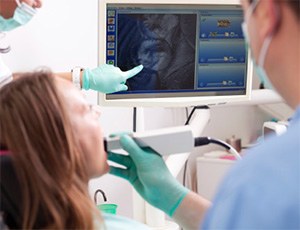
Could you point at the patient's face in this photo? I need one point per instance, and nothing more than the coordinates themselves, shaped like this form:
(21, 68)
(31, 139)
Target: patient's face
(87, 129)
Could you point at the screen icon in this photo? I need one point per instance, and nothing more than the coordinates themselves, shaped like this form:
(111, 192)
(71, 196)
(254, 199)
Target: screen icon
(111, 38)
(111, 62)
(111, 21)
(110, 53)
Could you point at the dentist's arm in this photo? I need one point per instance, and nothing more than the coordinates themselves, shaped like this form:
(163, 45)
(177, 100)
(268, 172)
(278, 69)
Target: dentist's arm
(149, 175)
(191, 211)
(105, 78)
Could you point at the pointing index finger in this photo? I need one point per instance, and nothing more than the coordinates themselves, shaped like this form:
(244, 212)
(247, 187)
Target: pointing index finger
(130, 73)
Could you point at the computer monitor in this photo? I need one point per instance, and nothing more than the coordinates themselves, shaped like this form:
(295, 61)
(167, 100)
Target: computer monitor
(193, 51)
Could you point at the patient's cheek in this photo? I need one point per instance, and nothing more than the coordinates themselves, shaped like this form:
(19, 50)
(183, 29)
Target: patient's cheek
(105, 168)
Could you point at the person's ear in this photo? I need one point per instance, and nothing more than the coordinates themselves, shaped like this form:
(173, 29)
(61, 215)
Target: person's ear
(269, 14)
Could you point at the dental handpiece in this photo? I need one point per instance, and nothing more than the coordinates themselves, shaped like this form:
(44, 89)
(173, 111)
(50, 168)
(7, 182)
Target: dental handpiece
(169, 141)
(165, 141)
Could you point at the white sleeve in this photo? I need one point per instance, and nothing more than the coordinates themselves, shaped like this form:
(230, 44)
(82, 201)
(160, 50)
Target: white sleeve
(5, 74)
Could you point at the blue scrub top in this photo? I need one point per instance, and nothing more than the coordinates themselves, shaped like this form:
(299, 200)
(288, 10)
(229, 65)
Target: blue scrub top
(263, 190)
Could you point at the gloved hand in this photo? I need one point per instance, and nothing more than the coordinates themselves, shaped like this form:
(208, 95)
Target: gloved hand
(148, 173)
(107, 78)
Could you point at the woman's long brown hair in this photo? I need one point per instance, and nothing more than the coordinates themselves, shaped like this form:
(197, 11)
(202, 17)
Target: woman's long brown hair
(49, 163)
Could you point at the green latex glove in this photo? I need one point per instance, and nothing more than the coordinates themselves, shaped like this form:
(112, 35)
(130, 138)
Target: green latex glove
(149, 175)
(107, 78)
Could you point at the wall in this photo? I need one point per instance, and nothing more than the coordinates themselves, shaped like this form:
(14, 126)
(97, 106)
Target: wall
(64, 35)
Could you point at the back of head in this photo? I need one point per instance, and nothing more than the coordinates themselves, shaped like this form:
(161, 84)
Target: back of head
(49, 164)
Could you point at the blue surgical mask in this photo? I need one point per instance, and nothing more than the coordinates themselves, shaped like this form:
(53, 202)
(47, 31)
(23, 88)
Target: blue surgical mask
(22, 15)
(258, 66)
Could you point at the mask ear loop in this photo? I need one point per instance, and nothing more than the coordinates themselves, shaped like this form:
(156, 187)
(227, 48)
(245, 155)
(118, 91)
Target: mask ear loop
(30, 10)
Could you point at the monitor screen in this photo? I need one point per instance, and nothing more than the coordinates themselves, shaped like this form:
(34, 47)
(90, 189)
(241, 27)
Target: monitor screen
(193, 54)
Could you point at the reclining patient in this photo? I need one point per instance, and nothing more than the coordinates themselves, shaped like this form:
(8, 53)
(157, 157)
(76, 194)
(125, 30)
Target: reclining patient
(51, 145)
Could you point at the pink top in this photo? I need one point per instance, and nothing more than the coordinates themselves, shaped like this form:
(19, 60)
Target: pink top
(228, 157)
(4, 152)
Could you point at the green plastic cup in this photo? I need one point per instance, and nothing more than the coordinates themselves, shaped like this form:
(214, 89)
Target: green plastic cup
(108, 208)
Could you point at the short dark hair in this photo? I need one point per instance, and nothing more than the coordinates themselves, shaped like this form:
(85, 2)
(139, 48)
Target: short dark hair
(294, 5)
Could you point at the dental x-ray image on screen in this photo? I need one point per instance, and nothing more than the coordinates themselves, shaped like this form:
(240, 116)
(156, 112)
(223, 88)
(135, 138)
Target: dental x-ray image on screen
(164, 43)
(192, 53)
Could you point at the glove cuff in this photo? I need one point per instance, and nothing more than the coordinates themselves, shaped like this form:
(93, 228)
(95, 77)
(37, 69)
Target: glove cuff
(184, 192)
(86, 79)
